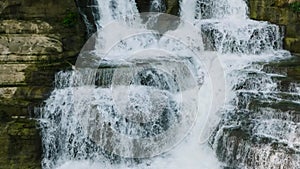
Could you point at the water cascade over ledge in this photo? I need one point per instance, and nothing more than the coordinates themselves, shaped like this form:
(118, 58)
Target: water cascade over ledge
(147, 92)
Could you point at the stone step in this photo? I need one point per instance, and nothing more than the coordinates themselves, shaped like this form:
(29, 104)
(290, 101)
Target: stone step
(281, 101)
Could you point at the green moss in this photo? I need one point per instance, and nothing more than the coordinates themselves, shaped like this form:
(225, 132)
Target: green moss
(20, 144)
(295, 6)
(24, 129)
(70, 19)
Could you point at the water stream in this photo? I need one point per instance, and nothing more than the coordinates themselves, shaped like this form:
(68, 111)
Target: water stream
(145, 103)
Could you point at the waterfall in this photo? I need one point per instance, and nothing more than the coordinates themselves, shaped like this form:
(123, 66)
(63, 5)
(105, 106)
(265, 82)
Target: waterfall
(121, 10)
(132, 99)
(255, 131)
(146, 94)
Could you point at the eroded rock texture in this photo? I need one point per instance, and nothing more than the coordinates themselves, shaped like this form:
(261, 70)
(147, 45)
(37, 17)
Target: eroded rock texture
(37, 37)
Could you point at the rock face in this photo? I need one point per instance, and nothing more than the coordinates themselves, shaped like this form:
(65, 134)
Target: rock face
(37, 37)
(279, 12)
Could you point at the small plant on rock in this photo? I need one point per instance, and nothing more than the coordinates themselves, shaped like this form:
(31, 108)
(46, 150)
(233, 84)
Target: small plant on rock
(295, 6)
(70, 19)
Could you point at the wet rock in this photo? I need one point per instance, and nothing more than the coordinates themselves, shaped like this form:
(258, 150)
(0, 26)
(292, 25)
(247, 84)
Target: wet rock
(279, 12)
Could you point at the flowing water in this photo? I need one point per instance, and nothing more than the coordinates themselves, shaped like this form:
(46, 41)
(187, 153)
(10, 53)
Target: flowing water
(138, 107)
(260, 122)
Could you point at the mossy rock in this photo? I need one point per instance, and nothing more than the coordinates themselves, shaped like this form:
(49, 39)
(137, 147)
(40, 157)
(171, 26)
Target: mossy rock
(21, 145)
(293, 44)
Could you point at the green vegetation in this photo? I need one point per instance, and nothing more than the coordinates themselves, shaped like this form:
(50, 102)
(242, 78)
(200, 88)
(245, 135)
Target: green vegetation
(295, 6)
(70, 19)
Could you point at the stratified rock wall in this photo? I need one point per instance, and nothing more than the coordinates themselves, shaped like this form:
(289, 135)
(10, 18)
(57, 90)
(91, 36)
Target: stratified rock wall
(37, 37)
(279, 12)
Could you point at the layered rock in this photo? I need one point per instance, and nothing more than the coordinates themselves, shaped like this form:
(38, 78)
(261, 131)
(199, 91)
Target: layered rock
(279, 12)
(37, 38)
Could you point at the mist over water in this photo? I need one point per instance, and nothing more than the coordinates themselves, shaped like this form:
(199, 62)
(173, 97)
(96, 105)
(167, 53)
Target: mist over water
(98, 118)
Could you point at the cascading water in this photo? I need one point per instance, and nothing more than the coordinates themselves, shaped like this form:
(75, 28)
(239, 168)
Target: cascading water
(131, 98)
(256, 131)
(123, 108)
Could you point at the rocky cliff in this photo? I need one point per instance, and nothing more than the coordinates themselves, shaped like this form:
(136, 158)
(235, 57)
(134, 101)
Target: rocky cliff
(37, 38)
(40, 37)
(280, 12)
